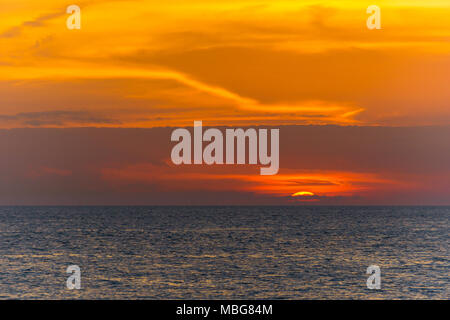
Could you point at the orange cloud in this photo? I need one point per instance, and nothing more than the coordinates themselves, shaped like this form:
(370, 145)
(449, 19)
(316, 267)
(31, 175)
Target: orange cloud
(243, 62)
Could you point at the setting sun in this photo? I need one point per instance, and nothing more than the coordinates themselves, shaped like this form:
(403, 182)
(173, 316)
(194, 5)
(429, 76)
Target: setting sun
(303, 193)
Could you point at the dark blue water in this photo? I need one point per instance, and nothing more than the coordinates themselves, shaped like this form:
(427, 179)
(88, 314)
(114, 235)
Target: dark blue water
(225, 252)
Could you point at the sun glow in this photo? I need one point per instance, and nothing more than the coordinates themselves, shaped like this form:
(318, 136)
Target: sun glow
(303, 193)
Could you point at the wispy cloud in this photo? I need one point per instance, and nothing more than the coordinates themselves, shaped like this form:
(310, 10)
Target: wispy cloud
(56, 118)
(40, 21)
(249, 61)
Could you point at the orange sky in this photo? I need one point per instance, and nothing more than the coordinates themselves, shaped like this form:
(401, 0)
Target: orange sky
(154, 64)
(151, 63)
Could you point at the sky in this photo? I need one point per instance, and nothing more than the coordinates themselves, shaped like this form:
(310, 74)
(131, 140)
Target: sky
(364, 115)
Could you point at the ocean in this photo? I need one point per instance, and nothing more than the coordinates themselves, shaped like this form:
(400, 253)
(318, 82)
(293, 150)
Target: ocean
(224, 252)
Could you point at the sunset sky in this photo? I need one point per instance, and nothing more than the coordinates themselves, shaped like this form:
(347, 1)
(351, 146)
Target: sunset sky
(364, 115)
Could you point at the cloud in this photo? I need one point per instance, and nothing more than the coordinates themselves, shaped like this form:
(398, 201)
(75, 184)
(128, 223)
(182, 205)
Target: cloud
(341, 165)
(42, 171)
(324, 199)
(56, 118)
(38, 22)
(253, 62)
(312, 182)
(41, 20)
